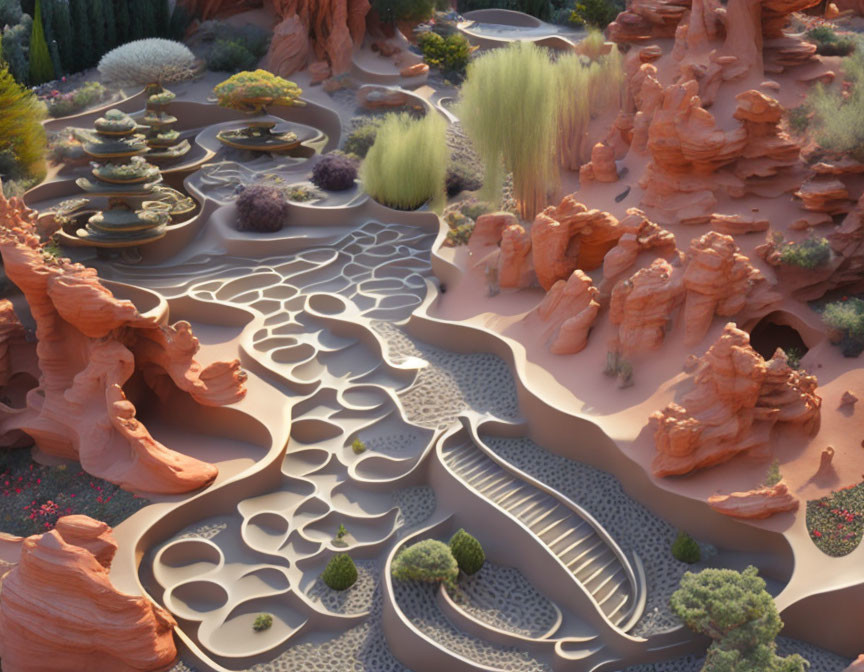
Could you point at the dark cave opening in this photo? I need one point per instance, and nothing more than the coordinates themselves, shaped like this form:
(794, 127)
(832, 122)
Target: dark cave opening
(768, 335)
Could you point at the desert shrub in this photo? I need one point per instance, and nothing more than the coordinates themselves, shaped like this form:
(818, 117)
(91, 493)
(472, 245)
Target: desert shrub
(846, 318)
(407, 164)
(21, 132)
(429, 560)
(301, 194)
(451, 53)
(229, 56)
(340, 573)
(596, 13)
(798, 119)
(460, 228)
(773, 475)
(810, 253)
(586, 88)
(262, 622)
(467, 551)
(262, 209)
(252, 89)
(334, 172)
(405, 10)
(829, 43)
(64, 146)
(504, 89)
(361, 139)
(734, 609)
(793, 356)
(462, 176)
(836, 522)
(838, 115)
(358, 446)
(685, 548)
(149, 61)
(64, 104)
(16, 48)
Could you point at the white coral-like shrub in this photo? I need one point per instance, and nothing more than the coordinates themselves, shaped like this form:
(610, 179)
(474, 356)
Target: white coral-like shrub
(149, 61)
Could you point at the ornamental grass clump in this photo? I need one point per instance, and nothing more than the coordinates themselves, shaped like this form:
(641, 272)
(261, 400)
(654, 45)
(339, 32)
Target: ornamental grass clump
(734, 609)
(334, 172)
(587, 88)
(845, 319)
(836, 522)
(148, 62)
(467, 551)
(509, 108)
(407, 164)
(262, 209)
(429, 560)
(340, 573)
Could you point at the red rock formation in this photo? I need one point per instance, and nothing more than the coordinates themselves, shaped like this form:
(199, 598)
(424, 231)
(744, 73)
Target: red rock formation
(568, 237)
(848, 400)
(639, 235)
(89, 346)
(486, 236)
(738, 224)
(515, 267)
(857, 665)
(333, 29)
(601, 167)
(641, 308)
(60, 612)
(824, 194)
(719, 280)
(736, 398)
(289, 47)
(647, 19)
(755, 504)
(568, 311)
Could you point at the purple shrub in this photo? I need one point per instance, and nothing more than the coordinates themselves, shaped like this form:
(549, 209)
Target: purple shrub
(334, 172)
(262, 209)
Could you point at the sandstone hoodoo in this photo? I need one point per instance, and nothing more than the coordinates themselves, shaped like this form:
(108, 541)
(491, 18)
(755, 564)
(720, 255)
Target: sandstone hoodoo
(60, 608)
(89, 346)
(755, 504)
(568, 311)
(735, 399)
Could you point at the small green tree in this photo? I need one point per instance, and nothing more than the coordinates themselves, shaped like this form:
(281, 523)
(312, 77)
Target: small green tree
(734, 609)
(110, 26)
(162, 18)
(685, 548)
(358, 446)
(96, 12)
(262, 622)
(123, 21)
(467, 551)
(41, 68)
(773, 475)
(429, 560)
(340, 573)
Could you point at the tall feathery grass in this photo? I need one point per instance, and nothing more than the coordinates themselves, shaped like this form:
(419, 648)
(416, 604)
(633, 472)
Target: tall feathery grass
(407, 164)
(526, 114)
(587, 88)
(838, 117)
(509, 108)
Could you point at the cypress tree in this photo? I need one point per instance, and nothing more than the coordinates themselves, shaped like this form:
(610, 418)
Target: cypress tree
(110, 27)
(124, 28)
(137, 13)
(48, 12)
(41, 69)
(163, 19)
(96, 14)
(83, 35)
(62, 29)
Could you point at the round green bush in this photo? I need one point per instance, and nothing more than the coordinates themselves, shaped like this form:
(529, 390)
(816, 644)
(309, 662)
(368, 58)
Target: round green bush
(361, 139)
(340, 573)
(429, 560)
(467, 551)
(685, 549)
